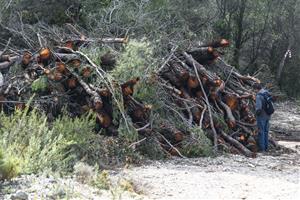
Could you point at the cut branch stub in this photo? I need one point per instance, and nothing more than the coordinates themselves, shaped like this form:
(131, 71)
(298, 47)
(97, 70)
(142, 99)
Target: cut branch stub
(232, 101)
(44, 54)
(66, 57)
(217, 43)
(26, 59)
(127, 87)
(171, 133)
(193, 82)
(4, 58)
(138, 112)
(231, 120)
(204, 55)
(74, 63)
(181, 73)
(72, 83)
(104, 92)
(108, 61)
(104, 119)
(69, 44)
(60, 67)
(86, 71)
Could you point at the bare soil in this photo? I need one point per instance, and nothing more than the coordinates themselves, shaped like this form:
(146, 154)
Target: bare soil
(224, 177)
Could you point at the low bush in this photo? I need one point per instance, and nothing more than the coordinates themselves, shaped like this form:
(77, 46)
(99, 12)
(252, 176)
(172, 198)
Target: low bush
(38, 145)
(9, 166)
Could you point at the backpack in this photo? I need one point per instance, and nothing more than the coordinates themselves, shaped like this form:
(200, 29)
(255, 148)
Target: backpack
(268, 103)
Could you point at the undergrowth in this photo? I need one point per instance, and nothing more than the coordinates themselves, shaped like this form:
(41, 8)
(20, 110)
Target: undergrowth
(33, 145)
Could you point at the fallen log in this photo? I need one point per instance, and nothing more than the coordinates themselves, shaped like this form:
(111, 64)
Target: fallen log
(204, 55)
(231, 119)
(66, 57)
(7, 64)
(237, 145)
(4, 58)
(200, 69)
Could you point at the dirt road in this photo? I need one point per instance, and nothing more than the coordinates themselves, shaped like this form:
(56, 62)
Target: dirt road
(225, 177)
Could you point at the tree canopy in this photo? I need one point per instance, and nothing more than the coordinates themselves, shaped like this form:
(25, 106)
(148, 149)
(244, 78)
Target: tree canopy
(264, 34)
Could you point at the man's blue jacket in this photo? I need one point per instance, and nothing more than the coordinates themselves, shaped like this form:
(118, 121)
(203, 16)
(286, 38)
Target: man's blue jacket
(260, 101)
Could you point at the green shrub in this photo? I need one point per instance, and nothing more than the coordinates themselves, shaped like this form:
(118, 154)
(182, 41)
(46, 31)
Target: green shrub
(9, 166)
(198, 145)
(27, 136)
(59, 146)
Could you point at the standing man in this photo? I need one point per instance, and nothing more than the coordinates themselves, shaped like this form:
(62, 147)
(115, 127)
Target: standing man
(262, 115)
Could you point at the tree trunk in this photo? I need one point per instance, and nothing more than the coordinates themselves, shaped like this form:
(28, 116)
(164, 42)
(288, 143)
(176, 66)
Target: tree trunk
(282, 62)
(239, 33)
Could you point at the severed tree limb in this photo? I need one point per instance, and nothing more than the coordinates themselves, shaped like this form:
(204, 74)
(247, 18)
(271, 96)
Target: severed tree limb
(108, 84)
(237, 144)
(65, 57)
(216, 43)
(5, 48)
(232, 121)
(137, 142)
(230, 70)
(167, 59)
(202, 116)
(171, 88)
(4, 58)
(7, 64)
(190, 121)
(94, 94)
(165, 139)
(199, 68)
(204, 55)
(245, 129)
(215, 138)
(144, 127)
(245, 124)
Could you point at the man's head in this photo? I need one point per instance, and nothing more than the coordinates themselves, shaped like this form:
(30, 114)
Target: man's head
(257, 87)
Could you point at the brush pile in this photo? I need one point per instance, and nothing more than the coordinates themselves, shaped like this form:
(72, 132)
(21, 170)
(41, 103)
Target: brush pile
(214, 96)
(211, 94)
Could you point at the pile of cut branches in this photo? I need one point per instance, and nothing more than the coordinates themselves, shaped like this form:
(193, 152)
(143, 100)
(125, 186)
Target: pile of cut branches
(214, 96)
(209, 93)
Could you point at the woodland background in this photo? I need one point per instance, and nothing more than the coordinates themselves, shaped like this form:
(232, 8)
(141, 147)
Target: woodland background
(260, 31)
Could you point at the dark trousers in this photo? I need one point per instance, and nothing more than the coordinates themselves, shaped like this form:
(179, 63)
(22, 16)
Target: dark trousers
(263, 133)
